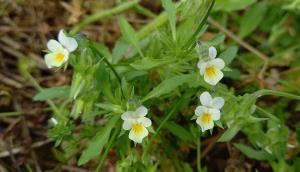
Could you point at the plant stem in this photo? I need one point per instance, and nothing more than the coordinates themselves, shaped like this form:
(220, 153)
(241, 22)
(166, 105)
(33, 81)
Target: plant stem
(109, 145)
(199, 154)
(6, 114)
(103, 14)
(265, 92)
(144, 11)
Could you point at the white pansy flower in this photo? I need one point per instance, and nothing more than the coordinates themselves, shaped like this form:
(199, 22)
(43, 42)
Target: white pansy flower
(59, 51)
(209, 111)
(137, 123)
(208, 101)
(211, 67)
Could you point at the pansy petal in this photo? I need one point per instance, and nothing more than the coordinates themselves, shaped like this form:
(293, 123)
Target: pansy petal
(205, 99)
(214, 78)
(127, 115)
(215, 114)
(218, 62)
(205, 125)
(68, 42)
(49, 59)
(201, 65)
(141, 111)
(138, 137)
(145, 121)
(200, 110)
(218, 102)
(127, 125)
(54, 46)
(212, 52)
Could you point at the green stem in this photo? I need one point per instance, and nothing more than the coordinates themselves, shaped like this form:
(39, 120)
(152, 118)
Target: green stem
(109, 145)
(199, 154)
(144, 11)
(265, 92)
(103, 14)
(5, 114)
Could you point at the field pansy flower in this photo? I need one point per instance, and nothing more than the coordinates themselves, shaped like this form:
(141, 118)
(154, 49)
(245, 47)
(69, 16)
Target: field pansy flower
(137, 123)
(59, 50)
(211, 67)
(209, 111)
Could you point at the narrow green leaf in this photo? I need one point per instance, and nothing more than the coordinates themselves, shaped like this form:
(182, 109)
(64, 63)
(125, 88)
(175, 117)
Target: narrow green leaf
(217, 40)
(171, 11)
(232, 5)
(229, 54)
(147, 63)
(167, 86)
(178, 131)
(229, 133)
(51, 93)
(254, 154)
(252, 18)
(97, 143)
(129, 34)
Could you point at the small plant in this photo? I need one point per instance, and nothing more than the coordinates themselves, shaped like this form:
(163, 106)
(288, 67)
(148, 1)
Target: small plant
(144, 84)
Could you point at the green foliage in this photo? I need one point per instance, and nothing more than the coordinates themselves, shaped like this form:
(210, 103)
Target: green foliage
(97, 143)
(157, 67)
(52, 93)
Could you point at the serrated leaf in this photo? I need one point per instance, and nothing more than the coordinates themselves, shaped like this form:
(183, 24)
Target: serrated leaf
(254, 154)
(51, 93)
(97, 143)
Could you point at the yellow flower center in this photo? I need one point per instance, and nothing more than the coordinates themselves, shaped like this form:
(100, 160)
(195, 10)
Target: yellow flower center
(206, 117)
(59, 57)
(210, 71)
(137, 128)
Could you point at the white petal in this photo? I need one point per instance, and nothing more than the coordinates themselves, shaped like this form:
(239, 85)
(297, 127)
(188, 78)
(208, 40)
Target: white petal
(206, 99)
(54, 46)
(49, 59)
(215, 78)
(127, 124)
(212, 52)
(219, 63)
(145, 121)
(128, 115)
(68, 42)
(200, 110)
(205, 126)
(201, 65)
(138, 137)
(141, 111)
(215, 114)
(218, 102)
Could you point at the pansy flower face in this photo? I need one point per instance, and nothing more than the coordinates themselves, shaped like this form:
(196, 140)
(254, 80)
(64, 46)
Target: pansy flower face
(211, 67)
(137, 123)
(209, 111)
(59, 50)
